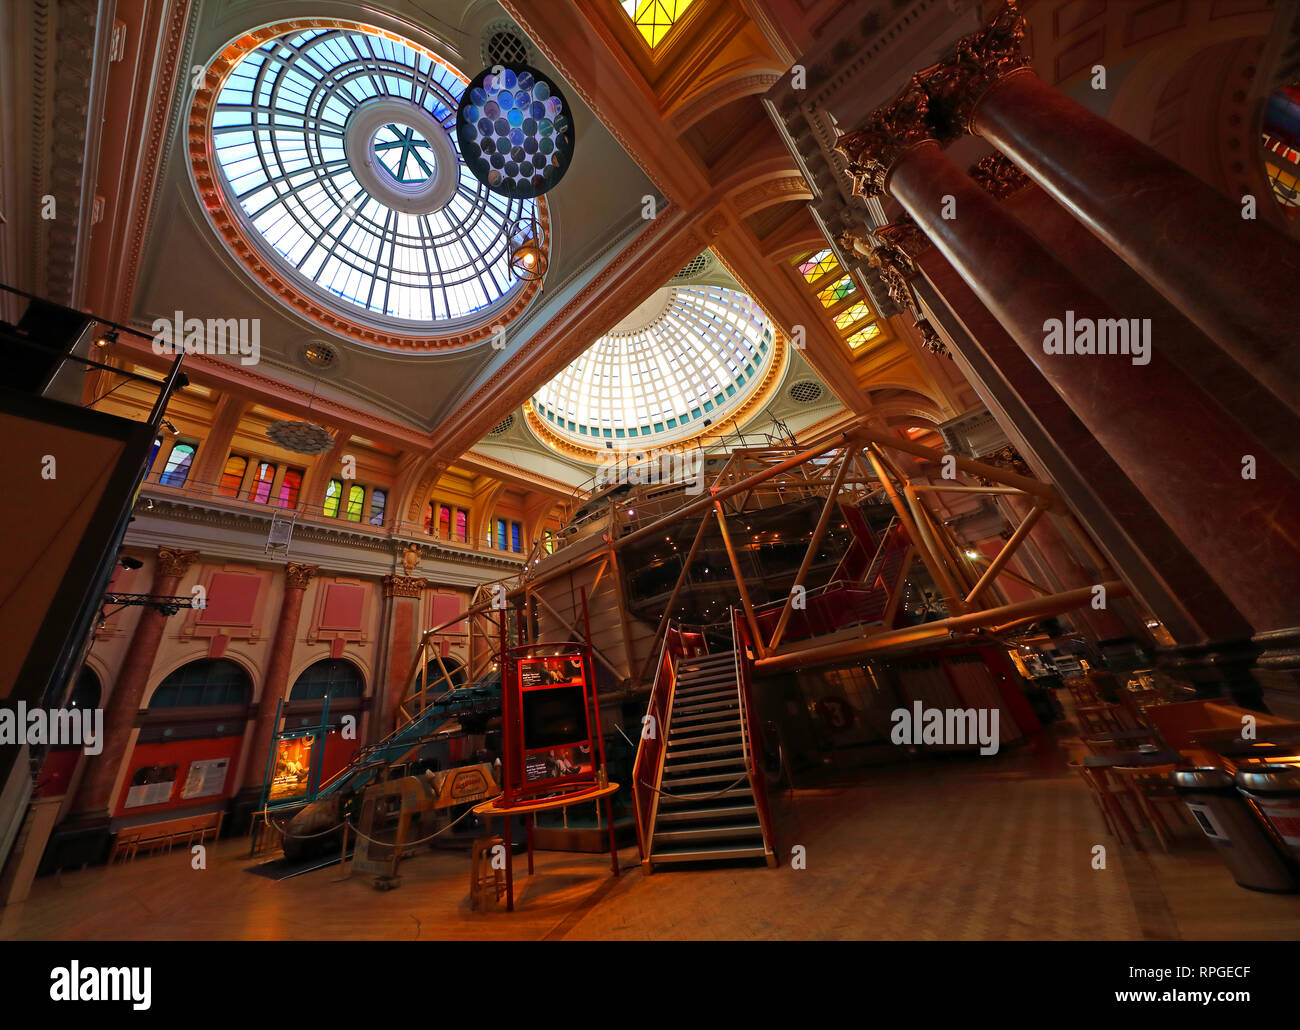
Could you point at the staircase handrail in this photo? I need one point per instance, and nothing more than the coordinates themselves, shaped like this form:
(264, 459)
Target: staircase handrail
(645, 797)
(748, 725)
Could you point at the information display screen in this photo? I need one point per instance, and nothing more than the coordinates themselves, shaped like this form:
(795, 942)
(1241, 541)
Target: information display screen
(554, 720)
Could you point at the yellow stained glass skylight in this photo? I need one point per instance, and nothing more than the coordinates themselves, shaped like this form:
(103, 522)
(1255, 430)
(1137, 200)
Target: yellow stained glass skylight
(836, 292)
(852, 315)
(654, 19)
(814, 266)
(863, 336)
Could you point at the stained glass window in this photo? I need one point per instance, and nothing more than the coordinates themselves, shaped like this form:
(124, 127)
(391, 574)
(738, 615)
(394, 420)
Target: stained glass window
(516, 537)
(654, 19)
(232, 476)
(428, 518)
(261, 491)
(836, 292)
(501, 534)
(177, 469)
(814, 266)
(378, 499)
(333, 496)
(289, 488)
(852, 315)
(444, 522)
(863, 336)
(688, 355)
(1281, 138)
(462, 525)
(356, 502)
(336, 148)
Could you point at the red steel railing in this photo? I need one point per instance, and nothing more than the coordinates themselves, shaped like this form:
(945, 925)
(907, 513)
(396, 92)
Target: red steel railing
(752, 738)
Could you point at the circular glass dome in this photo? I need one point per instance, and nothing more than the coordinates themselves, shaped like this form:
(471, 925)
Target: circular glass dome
(686, 356)
(337, 156)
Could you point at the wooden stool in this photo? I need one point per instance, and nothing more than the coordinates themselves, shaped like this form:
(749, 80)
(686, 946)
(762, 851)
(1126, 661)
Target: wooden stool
(482, 877)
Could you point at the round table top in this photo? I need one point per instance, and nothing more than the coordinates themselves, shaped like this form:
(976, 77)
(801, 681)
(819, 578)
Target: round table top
(490, 807)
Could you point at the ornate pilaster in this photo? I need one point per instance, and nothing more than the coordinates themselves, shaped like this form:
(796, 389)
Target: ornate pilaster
(173, 563)
(403, 586)
(297, 575)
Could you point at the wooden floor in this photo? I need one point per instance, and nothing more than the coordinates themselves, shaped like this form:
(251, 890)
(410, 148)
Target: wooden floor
(975, 849)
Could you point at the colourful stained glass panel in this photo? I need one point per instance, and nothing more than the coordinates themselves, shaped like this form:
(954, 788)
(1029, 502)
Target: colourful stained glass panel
(654, 19)
(863, 336)
(814, 266)
(836, 292)
(853, 315)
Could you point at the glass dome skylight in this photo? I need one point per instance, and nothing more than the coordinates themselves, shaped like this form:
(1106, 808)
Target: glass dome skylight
(337, 151)
(688, 355)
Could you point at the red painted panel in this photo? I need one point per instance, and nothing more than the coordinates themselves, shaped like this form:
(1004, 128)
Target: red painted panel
(338, 753)
(231, 597)
(180, 754)
(344, 603)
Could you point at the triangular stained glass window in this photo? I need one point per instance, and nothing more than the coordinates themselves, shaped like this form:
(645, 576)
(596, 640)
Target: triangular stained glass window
(654, 19)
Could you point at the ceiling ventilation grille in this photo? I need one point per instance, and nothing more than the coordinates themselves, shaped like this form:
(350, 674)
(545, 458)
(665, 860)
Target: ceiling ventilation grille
(319, 355)
(805, 392)
(503, 426)
(504, 46)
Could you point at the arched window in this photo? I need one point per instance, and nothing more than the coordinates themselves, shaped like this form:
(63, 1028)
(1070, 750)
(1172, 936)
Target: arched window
(209, 682)
(336, 677)
(378, 499)
(85, 695)
(356, 502)
(333, 495)
(289, 488)
(232, 476)
(462, 525)
(434, 678)
(444, 522)
(261, 492)
(177, 468)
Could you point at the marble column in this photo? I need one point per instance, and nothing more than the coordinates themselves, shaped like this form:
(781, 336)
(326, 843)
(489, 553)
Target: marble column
(403, 596)
(1235, 277)
(95, 794)
(279, 663)
(1181, 451)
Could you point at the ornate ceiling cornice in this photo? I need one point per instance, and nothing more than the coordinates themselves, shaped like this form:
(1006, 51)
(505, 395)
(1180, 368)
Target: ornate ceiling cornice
(206, 177)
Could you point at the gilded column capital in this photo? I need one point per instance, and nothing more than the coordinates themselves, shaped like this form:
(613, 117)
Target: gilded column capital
(876, 145)
(931, 340)
(297, 575)
(904, 235)
(173, 561)
(896, 272)
(999, 176)
(403, 586)
(956, 85)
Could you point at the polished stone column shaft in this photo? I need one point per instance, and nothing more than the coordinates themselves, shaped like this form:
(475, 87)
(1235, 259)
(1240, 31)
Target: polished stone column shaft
(1237, 278)
(278, 665)
(1180, 450)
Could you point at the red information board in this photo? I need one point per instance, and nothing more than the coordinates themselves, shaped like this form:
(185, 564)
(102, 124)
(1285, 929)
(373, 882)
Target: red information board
(553, 739)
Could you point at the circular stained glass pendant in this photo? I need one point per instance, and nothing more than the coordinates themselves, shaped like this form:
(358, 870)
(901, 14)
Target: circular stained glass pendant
(515, 131)
(300, 437)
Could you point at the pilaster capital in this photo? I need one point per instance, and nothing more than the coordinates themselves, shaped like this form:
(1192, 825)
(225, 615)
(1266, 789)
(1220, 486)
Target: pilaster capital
(904, 235)
(876, 145)
(403, 586)
(297, 575)
(173, 561)
(931, 340)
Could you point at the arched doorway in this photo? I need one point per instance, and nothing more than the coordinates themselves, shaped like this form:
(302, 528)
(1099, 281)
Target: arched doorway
(190, 738)
(344, 684)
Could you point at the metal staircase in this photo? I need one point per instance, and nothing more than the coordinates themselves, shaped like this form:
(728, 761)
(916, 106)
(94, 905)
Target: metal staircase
(705, 809)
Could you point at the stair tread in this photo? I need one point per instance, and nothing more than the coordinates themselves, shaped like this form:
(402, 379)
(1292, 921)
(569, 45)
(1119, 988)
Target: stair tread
(732, 776)
(729, 760)
(681, 815)
(676, 801)
(742, 832)
(706, 854)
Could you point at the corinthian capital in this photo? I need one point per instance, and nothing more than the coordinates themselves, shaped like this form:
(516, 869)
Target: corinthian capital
(956, 85)
(873, 148)
(297, 575)
(172, 561)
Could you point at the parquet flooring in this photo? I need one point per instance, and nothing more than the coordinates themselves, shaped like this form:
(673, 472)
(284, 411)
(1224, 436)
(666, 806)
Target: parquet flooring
(989, 849)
